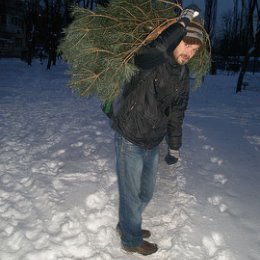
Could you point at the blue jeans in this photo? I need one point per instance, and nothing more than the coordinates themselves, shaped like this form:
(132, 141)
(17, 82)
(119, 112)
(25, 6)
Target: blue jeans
(136, 173)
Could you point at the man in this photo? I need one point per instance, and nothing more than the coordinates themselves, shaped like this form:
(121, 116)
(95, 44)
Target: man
(152, 107)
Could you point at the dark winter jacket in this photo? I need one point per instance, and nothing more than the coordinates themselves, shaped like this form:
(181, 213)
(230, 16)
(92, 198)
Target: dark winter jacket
(154, 101)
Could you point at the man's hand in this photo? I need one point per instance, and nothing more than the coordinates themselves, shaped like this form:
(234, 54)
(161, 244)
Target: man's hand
(172, 157)
(188, 14)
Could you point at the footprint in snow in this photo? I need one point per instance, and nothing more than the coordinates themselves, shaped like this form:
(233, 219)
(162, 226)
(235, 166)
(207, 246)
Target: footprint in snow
(97, 200)
(202, 137)
(89, 149)
(217, 201)
(99, 220)
(216, 248)
(208, 147)
(58, 153)
(220, 178)
(78, 144)
(216, 160)
(47, 167)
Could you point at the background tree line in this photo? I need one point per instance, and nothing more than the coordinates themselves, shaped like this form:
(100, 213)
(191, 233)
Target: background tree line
(237, 35)
(44, 21)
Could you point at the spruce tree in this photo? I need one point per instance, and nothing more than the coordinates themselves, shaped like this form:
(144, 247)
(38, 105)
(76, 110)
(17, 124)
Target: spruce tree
(99, 46)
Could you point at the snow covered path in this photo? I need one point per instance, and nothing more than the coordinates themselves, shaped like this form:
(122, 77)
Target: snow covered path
(224, 150)
(58, 191)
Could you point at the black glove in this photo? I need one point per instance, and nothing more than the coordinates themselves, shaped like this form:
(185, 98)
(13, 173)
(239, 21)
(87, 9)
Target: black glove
(188, 14)
(172, 157)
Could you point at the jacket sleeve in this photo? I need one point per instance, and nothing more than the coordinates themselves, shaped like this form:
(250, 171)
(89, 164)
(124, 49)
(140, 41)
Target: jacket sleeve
(160, 50)
(174, 129)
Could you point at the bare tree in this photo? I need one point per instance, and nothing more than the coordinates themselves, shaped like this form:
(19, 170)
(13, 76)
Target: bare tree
(226, 41)
(257, 37)
(250, 43)
(210, 17)
(53, 14)
(210, 23)
(31, 21)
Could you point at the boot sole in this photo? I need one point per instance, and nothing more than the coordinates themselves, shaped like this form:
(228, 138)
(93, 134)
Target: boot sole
(136, 254)
(132, 251)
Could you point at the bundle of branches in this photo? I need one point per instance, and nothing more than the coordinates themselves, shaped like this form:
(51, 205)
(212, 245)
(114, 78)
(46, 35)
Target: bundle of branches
(99, 46)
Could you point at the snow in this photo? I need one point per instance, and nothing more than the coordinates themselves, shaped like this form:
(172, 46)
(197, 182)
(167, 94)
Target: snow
(58, 189)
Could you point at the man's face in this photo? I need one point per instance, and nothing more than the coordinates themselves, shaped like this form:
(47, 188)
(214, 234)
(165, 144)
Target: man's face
(184, 52)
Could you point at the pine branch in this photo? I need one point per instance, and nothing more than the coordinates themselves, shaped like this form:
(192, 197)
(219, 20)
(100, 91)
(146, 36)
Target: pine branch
(99, 46)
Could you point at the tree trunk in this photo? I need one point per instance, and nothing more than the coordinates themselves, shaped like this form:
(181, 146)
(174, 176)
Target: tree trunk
(252, 5)
(210, 21)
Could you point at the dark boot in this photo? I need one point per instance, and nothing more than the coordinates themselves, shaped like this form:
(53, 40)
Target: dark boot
(146, 248)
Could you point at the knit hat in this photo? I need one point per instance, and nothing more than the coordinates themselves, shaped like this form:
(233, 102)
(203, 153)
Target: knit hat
(195, 31)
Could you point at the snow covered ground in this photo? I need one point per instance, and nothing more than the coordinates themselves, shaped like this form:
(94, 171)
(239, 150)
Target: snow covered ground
(58, 190)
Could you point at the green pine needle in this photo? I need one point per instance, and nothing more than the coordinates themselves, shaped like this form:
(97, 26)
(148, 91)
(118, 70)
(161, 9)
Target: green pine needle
(99, 46)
